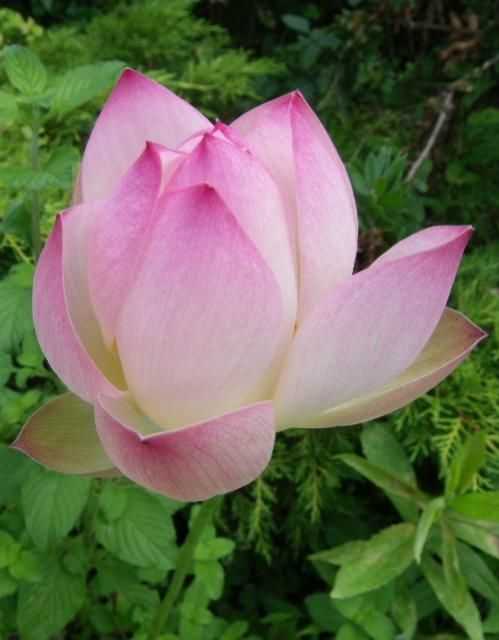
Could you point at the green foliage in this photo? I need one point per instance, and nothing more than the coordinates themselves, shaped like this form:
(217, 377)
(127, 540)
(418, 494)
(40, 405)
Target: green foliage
(400, 516)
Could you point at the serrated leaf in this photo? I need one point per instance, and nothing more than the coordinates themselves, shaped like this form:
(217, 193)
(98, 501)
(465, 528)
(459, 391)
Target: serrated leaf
(15, 306)
(14, 467)
(8, 585)
(431, 513)
(82, 84)
(143, 534)
(385, 556)
(46, 607)
(24, 70)
(8, 107)
(479, 506)
(467, 614)
(26, 567)
(387, 481)
(348, 631)
(211, 575)
(113, 501)
(9, 549)
(214, 549)
(52, 504)
(382, 449)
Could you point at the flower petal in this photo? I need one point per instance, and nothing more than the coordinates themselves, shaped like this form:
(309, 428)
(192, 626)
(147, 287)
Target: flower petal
(289, 138)
(118, 233)
(368, 330)
(193, 463)
(203, 318)
(137, 110)
(252, 195)
(452, 340)
(62, 436)
(56, 332)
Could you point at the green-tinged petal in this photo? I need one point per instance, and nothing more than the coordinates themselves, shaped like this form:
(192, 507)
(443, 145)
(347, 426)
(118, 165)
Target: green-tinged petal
(62, 436)
(452, 340)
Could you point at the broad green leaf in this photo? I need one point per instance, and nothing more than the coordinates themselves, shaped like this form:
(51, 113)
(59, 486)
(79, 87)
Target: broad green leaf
(211, 574)
(367, 615)
(15, 306)
(61, 165)
(14, 468)
(26, 567)
(47, 606)
(430, 514)
(479, 506)
(6, 367)
(467, 614)
(296, 23)
(8, 585)
(491, 624)
(385, 556)
(477, 573)
(404, 612)
(82, 84)
(143, 534)
(113, 501)
(386, 480)
(456, 583)
(24, 70)
(469, 459)
(323, 612)
(478, 533)
(9, 549)
(214, 549)
(343, 554)
(348, 632)
(26, 178)
(52, 504)
(382, 449)
(235, 631)
(8, 107)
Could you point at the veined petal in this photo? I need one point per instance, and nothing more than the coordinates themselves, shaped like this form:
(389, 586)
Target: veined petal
(368, 330)
(203, 317)
(62, 436)
(56, 332)
(289, 138)
(452, 340)
(118, 233)
(252, 195)
(192, 463)
(137, 110)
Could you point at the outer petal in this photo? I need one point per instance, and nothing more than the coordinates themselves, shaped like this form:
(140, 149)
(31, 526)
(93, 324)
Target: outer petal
(288, 137)
(368, 330)
(193, 463)
(137, 110)
(56, 332)
(61, 435)
(252, 195)
(118, 233)
(452, 340)
(203, 317)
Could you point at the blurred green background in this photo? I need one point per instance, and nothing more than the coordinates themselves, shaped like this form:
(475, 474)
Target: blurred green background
(83, 560)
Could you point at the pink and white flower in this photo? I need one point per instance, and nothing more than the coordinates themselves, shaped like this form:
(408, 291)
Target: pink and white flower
(199, 296)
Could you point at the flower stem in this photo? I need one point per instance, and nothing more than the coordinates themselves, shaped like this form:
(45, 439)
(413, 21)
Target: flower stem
(35, 195)
(184, 563)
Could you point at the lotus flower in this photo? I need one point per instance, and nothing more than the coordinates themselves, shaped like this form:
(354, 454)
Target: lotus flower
(199, 297)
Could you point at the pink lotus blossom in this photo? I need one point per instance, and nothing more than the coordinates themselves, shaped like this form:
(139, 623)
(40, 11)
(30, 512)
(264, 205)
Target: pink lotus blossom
(199, 296)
